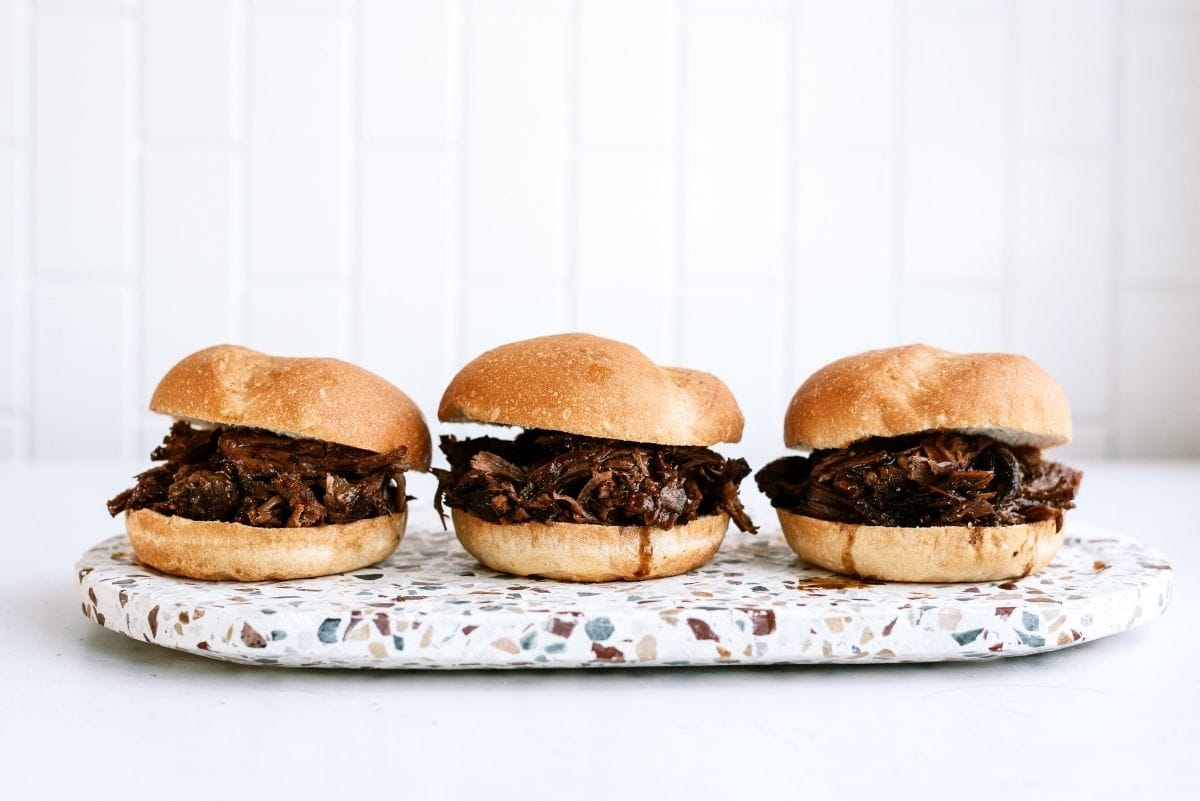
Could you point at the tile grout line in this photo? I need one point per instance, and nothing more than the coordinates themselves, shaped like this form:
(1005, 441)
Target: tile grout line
(791, 200)
(1011, 171)
(16, 151)
(899, 175)
(240, 275)
(235, 143)
(457, 297)
(1173, 283)
(674, 276)
(405, 146)
(90, 10)
(351, 210)
(77, 278)
(324, 10)
(25, 447)
(232, 146)
(135, 166)
(183, 143)
(1116, 230)
(957, 282)
(571, 238)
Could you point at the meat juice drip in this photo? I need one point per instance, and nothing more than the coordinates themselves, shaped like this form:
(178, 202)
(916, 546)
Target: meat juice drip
(848, 554)
(1031, 547)
(645, 553)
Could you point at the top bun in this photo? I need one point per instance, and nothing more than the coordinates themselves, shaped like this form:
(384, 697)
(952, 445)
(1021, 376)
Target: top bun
(596, 387)
(897, 391)
(324, 399)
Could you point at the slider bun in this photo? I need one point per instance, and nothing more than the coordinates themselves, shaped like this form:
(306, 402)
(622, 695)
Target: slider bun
(596, 387)
(586, 552)
(323, 399)
(888, 393)
(937, 554)
(204, 549)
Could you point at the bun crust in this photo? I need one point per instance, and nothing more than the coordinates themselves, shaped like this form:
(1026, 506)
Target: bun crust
(324, 399)
(887, 393)
(584, 552)
(947, 553)
(218, 551)
(596, 387)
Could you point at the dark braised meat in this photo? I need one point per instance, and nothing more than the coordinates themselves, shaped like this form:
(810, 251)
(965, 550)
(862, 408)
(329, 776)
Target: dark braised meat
(548, 476)
(250, 476)
(941, 478)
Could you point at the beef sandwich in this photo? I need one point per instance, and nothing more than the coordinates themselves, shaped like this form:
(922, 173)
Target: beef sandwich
(925, 465)
(275, 468)
(611, 478)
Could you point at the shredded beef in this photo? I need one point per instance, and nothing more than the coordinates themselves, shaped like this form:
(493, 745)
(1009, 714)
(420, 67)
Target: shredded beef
(941, 478)
(251, 476)
(548, 476)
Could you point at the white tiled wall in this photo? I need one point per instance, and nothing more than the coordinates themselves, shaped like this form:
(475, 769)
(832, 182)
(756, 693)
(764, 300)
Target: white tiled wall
(751, 187)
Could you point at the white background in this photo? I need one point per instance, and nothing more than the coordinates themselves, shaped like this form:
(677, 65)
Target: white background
(752, 188)
(748, 187)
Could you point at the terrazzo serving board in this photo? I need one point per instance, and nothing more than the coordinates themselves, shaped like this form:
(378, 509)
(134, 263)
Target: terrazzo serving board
(431, 605)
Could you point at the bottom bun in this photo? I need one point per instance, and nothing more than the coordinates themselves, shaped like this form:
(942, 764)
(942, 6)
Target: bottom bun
(942, 553)
(590, 552)
(206, 549)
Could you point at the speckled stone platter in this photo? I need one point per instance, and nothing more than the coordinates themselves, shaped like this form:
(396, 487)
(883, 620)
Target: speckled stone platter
(432, 606)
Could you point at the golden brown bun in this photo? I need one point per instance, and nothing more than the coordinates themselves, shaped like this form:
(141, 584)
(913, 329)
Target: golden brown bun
(584, 552)
(944, 553)
(325, 399)
(887, 393)
(597, 387)
(217, 551)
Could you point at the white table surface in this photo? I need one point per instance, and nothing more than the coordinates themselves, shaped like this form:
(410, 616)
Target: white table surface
(88, 713)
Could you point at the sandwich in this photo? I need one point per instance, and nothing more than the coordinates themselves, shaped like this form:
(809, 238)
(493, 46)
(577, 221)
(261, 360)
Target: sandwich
(274, 468)
(925, 465)
(611, 477)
